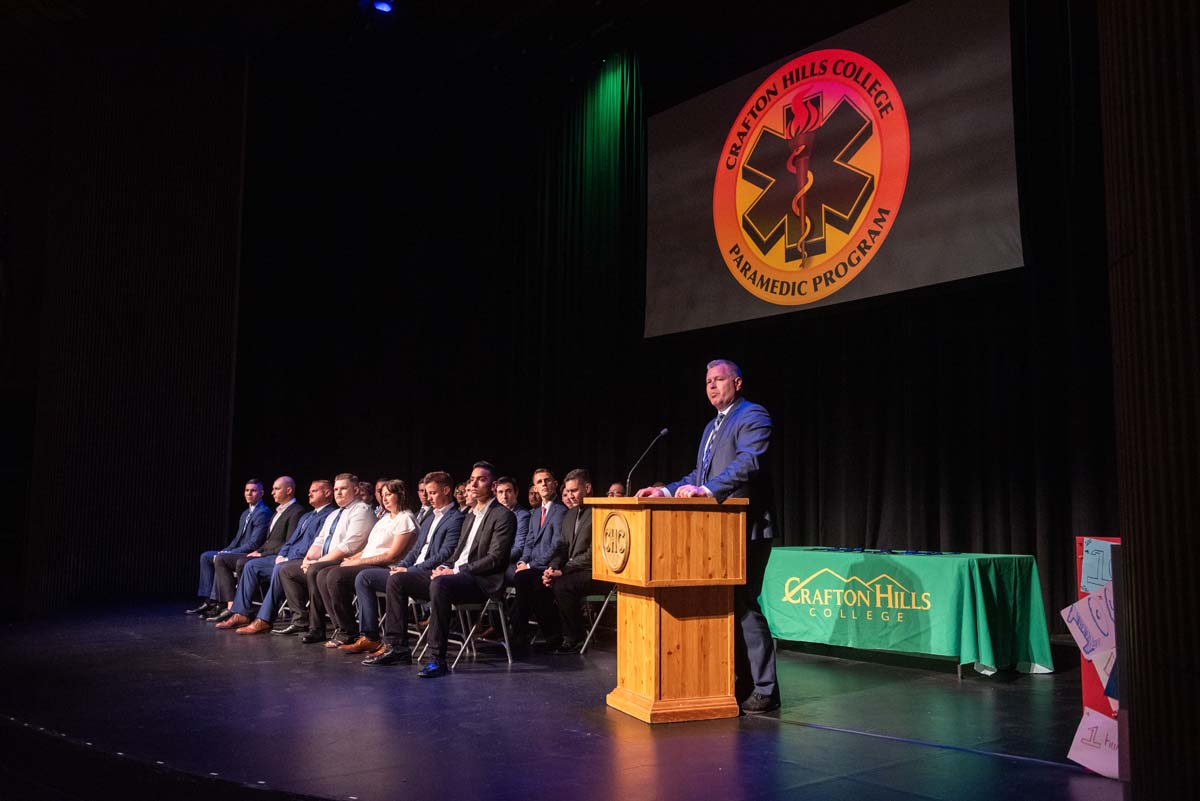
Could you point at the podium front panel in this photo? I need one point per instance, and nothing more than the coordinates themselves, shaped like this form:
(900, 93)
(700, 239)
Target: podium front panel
(668, 542)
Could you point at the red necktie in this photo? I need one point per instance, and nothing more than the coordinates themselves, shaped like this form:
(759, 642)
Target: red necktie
(543, 521)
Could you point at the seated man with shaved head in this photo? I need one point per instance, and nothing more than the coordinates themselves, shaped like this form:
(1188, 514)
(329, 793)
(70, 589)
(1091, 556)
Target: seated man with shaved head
(229, 565)
(264, 569)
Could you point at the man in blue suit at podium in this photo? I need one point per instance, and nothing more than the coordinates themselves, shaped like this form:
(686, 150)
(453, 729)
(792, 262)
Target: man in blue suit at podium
(730, 463)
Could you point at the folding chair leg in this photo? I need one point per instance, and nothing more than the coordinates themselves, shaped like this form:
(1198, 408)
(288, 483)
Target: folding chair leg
(469, 639)
(504, 632)
(596, 622)
(421, 645)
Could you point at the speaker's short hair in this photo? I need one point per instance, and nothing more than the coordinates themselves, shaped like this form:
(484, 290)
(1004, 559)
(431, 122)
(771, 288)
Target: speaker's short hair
(737, 371)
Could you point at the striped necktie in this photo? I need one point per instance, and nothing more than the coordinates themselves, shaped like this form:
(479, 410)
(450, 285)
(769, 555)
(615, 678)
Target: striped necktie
(706, 463)
(332, 529)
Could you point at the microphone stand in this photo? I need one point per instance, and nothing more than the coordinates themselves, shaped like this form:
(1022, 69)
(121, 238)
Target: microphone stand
(629, 478)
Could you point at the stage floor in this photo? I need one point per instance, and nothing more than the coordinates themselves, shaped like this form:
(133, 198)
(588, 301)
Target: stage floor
(174, 694)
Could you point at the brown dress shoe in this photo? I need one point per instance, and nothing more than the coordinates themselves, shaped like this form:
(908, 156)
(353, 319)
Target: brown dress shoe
(361, 646)
(233, 621)
(379, 651)
(257, 626)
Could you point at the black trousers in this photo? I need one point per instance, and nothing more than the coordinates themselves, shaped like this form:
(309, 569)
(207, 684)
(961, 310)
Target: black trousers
(301, 588)
(570, 591)
(458, 588)
(224, 584)
(754, 647)
(535, 600)
(337, 595)
(401, 587)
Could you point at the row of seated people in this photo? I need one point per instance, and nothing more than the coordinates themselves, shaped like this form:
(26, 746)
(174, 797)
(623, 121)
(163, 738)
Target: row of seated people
(322, 559)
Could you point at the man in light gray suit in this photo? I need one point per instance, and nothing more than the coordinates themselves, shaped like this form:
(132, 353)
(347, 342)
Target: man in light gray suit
(730, 463)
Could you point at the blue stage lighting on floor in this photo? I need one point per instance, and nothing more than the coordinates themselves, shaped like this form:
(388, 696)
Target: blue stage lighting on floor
(382, 6)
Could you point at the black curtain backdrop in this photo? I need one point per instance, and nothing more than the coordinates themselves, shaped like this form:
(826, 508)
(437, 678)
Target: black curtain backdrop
(123, 275)
(442, 260)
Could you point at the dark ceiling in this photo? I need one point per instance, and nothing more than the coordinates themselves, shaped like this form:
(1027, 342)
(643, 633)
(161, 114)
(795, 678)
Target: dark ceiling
(684, 48)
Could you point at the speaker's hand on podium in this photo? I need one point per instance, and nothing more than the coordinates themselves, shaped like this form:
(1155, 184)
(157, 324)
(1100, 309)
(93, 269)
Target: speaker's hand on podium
(651, 492)
(690, 491)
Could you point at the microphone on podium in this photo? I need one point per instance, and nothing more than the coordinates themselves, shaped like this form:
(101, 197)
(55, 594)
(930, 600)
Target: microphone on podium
(629, 478)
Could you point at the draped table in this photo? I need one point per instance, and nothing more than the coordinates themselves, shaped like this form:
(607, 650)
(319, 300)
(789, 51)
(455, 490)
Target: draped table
(984, 610)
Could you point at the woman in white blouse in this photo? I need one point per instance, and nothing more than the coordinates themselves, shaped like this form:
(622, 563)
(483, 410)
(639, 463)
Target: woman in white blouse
(386, 545)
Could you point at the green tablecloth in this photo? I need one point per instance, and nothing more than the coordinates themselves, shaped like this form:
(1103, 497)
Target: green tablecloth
(983, 609)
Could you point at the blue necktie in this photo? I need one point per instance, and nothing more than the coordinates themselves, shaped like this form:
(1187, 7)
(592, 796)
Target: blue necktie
(242, 532)
(332, 529)
(706, 462)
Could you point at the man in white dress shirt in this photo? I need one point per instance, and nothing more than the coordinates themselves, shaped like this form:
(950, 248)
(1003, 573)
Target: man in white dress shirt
(344, 534)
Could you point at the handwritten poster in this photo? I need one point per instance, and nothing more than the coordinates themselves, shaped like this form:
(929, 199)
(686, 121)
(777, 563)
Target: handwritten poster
(1092, 622)
(1096, 570)
(1095, 745)
(1105, 663)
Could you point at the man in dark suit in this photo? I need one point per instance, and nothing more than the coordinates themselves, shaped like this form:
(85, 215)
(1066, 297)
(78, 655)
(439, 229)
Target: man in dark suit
(569, 574)
(425, 508)
(506, 494)
(437, 537)
(230, 565)
(262, 570)
(471, 574)
(731, 463)
(525, 575)
(251, 531)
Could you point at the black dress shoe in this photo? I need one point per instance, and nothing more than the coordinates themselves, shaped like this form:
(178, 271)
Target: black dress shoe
(567, 647)
(392, 655)
(758, 703)
(435, 668)
(220, 617)
(290, 630)
(314, 636)
(202, 610)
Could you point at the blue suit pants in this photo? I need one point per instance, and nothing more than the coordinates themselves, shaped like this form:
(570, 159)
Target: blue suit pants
(255, 573)
(207, 574)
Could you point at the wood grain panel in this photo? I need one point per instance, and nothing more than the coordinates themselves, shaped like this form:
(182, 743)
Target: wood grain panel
(696, 642)
(697, 546)
(637, 642)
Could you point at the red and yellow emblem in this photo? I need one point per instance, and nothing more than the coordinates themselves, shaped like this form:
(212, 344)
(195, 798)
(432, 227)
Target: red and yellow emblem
(811, 176)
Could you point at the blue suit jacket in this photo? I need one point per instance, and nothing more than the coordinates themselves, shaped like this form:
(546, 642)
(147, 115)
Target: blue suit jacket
(307, 529)
(738, 468)
(522, 533)
(540, 542)
(445, 539)
(252, 529)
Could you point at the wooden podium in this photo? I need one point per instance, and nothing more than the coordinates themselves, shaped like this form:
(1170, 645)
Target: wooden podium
(675, 563)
